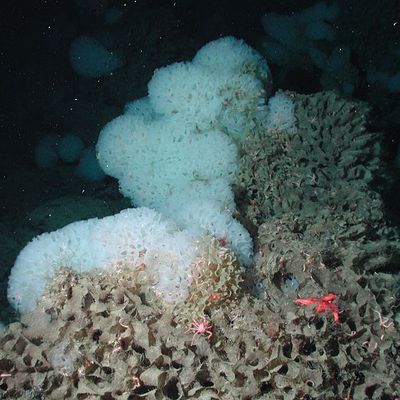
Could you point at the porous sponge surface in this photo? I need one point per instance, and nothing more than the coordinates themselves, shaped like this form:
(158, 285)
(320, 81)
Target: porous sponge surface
(122, 334)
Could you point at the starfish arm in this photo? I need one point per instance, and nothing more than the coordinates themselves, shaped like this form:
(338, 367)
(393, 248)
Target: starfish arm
(307, 302)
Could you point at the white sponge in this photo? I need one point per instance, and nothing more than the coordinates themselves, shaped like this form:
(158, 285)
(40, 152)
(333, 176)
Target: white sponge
(133, 237)
(280, 115)
(177, 150)
(188, 92)
(154, 160)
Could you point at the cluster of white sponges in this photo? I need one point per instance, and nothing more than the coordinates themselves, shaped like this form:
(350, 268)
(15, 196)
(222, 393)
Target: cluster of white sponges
(176, 150)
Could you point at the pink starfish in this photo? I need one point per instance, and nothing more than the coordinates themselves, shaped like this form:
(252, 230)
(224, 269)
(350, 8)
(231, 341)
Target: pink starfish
(322, 305)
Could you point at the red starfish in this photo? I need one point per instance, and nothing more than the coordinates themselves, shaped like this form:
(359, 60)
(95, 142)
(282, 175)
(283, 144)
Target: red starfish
(323, 304)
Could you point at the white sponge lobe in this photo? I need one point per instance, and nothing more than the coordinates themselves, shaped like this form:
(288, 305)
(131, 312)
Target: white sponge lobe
(132, 237)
